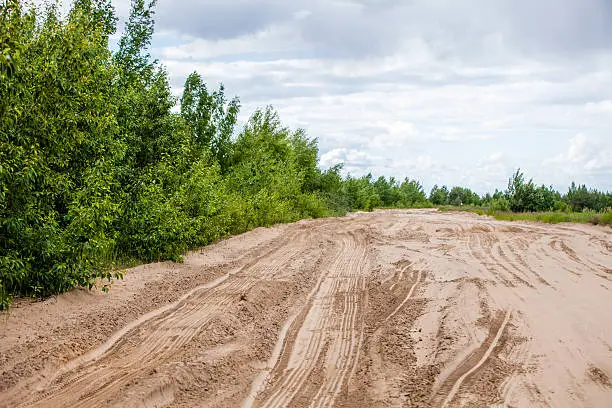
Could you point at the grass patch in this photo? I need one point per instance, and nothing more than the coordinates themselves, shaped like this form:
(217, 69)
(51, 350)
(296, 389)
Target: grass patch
(549, 217)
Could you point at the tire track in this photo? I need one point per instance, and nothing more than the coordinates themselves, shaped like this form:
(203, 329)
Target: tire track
(400, 277)
(451, 385)
(287, 335)
(378, 374)
(407, 298)
(503, 255)
(322, 335)
(554, 251)
(153, 339)
(522, 246)
(478, 252)
(499, 259)
(316, 330)
(326, 314)
(593, 266)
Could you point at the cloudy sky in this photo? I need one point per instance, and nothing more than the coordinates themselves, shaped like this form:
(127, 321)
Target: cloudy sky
(444, 91)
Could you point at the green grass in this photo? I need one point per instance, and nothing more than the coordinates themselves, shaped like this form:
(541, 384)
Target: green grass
(550, 217)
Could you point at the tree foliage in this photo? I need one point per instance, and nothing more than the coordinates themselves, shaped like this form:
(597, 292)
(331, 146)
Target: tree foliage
(580, 198)
(525, 196)
(210, 118)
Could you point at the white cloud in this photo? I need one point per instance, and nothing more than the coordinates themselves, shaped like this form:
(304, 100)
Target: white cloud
(355, 161)
(585, 159)
(426, 89)
(602, 107)
(277, 38)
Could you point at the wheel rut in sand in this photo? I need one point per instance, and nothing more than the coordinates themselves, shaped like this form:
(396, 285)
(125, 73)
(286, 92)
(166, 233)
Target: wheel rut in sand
(386, 309)
(408, 296)
(92, 380)
(326, 340)
(451, 385)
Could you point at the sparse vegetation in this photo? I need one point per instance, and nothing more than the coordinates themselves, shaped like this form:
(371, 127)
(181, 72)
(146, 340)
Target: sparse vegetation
(550, 217)
(523, 200)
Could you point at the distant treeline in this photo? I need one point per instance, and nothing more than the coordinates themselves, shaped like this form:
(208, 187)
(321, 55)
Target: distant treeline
(525, 196)
(367, 193)
(96, 169)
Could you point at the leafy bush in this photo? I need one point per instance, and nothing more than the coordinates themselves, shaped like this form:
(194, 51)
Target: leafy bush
(439, 195)
(525, 196)
(580, 197)
(500, 204)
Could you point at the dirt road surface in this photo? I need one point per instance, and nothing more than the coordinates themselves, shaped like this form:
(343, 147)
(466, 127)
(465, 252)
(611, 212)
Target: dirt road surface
(385, 309)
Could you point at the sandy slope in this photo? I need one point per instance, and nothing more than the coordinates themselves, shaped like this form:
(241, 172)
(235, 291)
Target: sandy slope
(389, 309)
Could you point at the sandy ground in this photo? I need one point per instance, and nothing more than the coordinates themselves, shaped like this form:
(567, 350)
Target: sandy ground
(387, 309)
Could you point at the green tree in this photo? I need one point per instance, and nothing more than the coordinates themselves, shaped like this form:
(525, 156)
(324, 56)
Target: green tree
(210, 118)
(439, 195)
(411, 194)
(58, 149)
(525, 196)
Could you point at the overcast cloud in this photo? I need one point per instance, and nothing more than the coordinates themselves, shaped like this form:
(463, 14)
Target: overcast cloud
(444, 91)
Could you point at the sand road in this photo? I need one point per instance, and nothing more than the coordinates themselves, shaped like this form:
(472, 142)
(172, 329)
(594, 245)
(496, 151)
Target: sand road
(386, 309)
